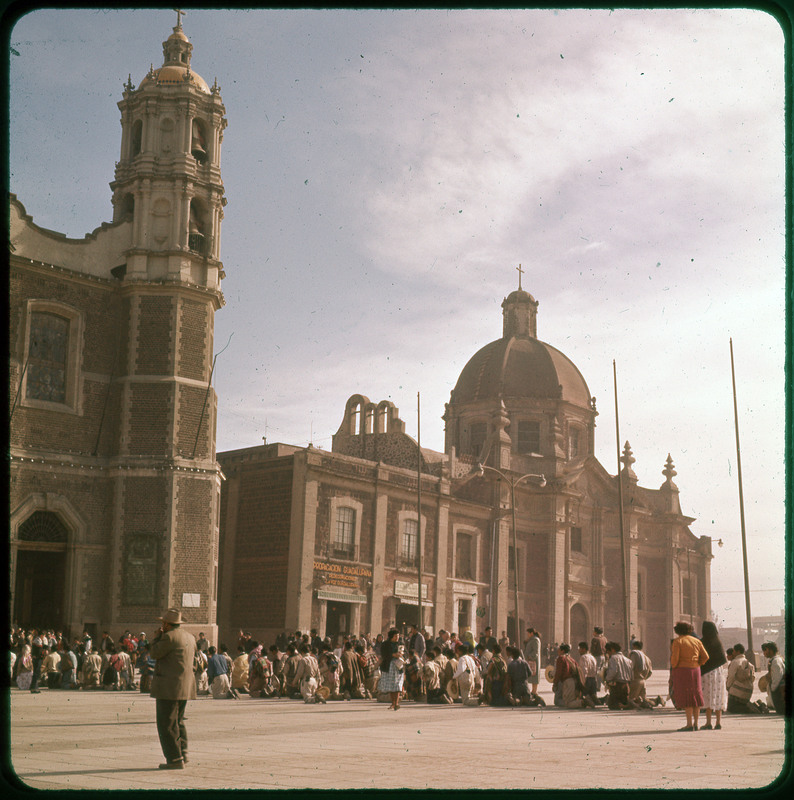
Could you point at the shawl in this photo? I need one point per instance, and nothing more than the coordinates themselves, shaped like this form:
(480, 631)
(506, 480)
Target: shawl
(711, 641)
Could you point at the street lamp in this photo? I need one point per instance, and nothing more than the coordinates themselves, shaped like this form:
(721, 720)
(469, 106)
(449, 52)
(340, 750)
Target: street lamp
(479, 470)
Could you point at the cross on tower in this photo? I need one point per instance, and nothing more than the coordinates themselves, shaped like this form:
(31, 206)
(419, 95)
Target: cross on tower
(520, 273)
(179, 15)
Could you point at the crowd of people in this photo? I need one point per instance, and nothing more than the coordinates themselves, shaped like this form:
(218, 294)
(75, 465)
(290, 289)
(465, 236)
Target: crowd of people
(448, 668)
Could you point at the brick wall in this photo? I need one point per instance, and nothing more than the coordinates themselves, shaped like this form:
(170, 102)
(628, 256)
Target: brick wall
(261, 550)
(194, 543)
(149, 426)
(191, 402)
(194, 337)
(155, 331)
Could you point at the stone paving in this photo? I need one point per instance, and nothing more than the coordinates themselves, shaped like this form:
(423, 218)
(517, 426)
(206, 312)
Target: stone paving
(108, 740)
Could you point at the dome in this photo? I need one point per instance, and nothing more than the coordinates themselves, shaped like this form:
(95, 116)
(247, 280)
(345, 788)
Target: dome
(519, 367)
(174, 75)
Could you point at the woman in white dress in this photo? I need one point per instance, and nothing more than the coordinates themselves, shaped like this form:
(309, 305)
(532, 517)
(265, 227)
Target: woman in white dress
(712, 676)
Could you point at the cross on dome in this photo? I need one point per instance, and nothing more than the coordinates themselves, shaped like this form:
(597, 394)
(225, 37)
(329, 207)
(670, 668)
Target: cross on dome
(520, 273)
(179, 15)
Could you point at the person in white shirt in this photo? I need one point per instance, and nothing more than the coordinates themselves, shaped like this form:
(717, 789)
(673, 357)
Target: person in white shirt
(776, 697)
(466, 675)
(619, 675)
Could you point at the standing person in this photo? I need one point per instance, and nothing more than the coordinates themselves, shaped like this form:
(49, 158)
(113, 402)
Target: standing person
(416, 642)
(352, 676)
(173, 684)
(598, 649)
(776, 684)
(37, 652)
(391, 679)
(532, 651)
(687, 655)
(712, 676)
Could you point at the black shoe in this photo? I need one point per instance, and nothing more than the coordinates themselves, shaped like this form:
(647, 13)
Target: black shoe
(172, 765)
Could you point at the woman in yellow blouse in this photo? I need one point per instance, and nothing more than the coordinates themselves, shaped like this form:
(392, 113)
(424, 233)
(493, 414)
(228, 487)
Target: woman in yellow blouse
(686, 657)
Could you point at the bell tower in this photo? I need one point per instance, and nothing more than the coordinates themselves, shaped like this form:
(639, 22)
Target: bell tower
(168, 185)
(168, 179)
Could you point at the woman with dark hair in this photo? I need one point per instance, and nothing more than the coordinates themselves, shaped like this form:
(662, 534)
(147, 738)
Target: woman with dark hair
(712, 676)
(686, 657)
(391, 678)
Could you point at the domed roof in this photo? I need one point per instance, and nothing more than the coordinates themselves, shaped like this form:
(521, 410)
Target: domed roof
(514, 367)
(176, 71)
(174, 75)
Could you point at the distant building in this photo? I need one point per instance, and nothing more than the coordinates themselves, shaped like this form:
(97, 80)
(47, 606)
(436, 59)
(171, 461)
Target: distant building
(330, 540)
(114, 488)
(765, 629)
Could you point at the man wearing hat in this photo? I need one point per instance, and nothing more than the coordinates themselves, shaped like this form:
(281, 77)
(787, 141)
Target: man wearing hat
(173, 684)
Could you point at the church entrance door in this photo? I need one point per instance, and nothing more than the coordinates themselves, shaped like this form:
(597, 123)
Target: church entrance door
(38, 590)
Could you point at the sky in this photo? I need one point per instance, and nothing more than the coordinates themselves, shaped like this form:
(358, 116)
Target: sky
(388, 171)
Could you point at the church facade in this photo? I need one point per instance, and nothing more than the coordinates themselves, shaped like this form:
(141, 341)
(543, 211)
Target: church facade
(516, 524)
(114, 484)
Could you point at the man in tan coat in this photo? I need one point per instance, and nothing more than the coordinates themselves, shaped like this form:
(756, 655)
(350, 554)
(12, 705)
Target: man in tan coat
(173, 685)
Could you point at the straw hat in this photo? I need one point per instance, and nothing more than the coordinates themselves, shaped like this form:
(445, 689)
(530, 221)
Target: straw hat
(323, 692)
(452, 689)
(763, 683)
(550, 673)
(173, 616)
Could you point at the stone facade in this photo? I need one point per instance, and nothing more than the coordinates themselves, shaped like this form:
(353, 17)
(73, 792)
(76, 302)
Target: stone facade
(114, 486)
(344, 524)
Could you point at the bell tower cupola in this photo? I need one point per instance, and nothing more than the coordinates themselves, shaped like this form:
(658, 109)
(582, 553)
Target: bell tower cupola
(520, 313)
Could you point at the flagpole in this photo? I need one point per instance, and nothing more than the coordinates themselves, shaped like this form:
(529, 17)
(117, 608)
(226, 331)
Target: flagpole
(741, 512)
(419, 543)
(620, 516)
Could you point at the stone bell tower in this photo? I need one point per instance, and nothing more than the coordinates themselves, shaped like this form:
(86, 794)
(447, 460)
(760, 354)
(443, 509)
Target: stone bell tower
(167, 482)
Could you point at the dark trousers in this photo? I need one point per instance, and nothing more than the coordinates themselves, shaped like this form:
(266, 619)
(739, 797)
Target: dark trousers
(34, 683)
(618, 695)
(779, 699)
(171, 728)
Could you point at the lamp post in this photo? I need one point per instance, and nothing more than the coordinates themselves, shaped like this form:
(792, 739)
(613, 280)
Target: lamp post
(513, 482)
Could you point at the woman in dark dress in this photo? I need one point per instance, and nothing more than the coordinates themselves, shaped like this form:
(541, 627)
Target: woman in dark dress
(391, 679)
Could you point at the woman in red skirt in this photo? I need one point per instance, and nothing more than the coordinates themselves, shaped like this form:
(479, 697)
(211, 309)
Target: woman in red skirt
(686, 657)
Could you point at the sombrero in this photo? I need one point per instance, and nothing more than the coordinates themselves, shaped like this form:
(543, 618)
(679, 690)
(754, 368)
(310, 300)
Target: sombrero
(452, 689)
(323, 692)
(763, 683)
(550, 673)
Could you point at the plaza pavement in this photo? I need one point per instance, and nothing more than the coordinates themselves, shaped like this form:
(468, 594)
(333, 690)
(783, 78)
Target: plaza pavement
(108, 741)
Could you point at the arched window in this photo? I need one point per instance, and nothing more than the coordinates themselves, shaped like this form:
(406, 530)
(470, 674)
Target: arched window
(43, 526)
(198, 141)
(137, 138)
(478, 432)
(196, 238)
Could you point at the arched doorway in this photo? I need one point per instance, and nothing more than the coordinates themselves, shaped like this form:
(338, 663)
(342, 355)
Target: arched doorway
(40, 572)
(579, 627)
